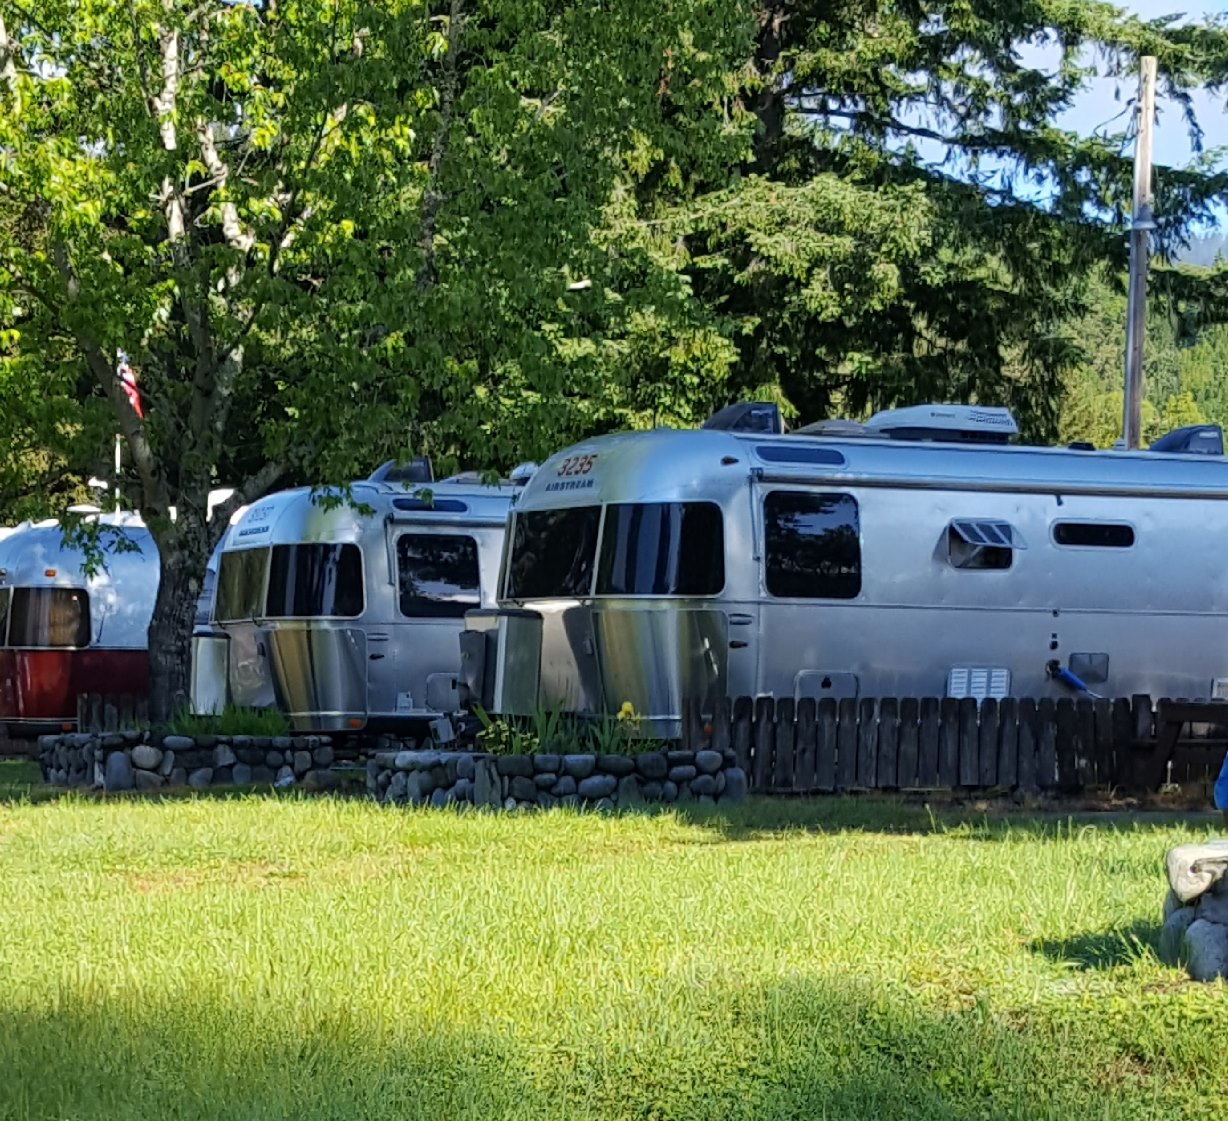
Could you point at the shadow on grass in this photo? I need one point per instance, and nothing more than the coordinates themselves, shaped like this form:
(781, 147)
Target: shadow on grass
(791, 1050)
(1102, 949)
(762, 818)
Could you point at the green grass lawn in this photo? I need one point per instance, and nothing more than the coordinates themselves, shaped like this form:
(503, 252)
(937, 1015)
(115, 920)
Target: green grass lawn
(263, 956)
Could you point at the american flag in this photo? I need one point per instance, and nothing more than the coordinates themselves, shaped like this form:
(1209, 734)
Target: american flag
(128, 377)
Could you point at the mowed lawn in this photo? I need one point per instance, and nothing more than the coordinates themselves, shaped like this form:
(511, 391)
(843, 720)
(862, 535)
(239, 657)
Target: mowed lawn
(283, 957)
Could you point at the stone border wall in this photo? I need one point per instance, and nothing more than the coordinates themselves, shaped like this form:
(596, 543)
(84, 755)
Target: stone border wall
(137, 761)
(1195, 931)
(442, 778)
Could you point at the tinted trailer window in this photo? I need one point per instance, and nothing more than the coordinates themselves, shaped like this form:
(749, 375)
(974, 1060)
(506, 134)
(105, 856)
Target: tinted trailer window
(553, 553)
(812, 545)
(315, 581)
(437, 575)
(662, 549)
(240, 584)
(50, 617)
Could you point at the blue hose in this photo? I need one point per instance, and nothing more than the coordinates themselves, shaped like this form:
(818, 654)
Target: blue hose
(1221, 787)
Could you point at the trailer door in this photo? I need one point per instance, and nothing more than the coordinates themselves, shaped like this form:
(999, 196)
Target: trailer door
(438, 579)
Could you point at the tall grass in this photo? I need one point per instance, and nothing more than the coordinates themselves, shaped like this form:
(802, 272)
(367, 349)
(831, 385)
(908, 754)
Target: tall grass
(264, 957)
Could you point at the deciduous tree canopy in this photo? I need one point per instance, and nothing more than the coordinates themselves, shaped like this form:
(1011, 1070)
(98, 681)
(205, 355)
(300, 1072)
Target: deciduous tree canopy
(327, 231)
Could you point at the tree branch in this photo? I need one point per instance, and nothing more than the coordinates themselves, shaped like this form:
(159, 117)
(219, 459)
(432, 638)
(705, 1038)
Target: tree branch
(431, 197)
(253, 487)
(8, 55)
(239, 238)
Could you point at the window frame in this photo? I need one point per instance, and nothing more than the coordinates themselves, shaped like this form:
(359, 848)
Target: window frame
(957, 528)
(396, 557)
(765, 568)
(35, 589)
(338, 545)
(510, 547)
(598, 593)
(263, 550)
(1095, 523)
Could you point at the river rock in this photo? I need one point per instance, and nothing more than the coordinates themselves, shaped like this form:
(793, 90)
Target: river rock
(442, 797)
(565, 786)
(680, 758)
(546, 800)
(545, 781)
(598, 786)
(262, 774)
(616, 765)
(464, 768)
(223, 756)
(652, 765)
(178, 743)
(177, 777)
(117, 773)
(708, 762)
(604, 805)
(579, 766)
(323, 755)
(487, 789)
(320, 780)
(683, 772)
(735, 786)
(147, 780)
(200, 778)
(168, 763)
(1193, 869)
(1172, 935)
(629, 791)
(523, 789)
(223, 776)
(242, 774)
(703, 786)
(283, 743)
(669, 791)
(547, 763)
(419, 786)
(463, 790)
(302, 761)
(514, 765)
(652, 790)
(1206, 950)
(397, 788)
(146, 757)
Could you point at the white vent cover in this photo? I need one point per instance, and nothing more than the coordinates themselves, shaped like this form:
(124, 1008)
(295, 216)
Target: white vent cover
(979, 682)
(1219, 688)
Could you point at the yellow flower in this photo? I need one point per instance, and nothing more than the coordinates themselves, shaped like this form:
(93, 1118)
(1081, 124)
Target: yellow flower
(627, 711)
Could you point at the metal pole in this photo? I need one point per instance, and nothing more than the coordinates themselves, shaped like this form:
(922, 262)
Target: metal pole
(1140, 228)
(119, 451)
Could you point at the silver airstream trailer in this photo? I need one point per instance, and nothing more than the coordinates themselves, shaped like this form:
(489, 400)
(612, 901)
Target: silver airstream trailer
(918, 555)
(345, 614)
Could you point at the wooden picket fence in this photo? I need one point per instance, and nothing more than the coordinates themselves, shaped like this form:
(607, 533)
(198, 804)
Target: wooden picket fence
(935, 743)
(97, 713)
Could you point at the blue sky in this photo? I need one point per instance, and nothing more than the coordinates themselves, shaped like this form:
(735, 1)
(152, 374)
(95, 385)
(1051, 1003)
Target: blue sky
(1171, 148)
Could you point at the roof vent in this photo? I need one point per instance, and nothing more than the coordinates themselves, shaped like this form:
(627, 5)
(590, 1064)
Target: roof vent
(1195, 439)
(833, 427)
(945, 423)
(522, 473)
(416, 470)
(747, 416)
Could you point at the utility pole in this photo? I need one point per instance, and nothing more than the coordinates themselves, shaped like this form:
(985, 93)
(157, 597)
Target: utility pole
(1140, 229)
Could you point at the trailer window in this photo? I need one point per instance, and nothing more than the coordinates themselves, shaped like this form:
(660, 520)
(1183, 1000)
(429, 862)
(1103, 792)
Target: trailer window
(240, 584)
(812, 545)
(1094, 535)
(662, 549)
(553, 553)
(315, 581)
(58, 617)
(981, 543)
(437, 575)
